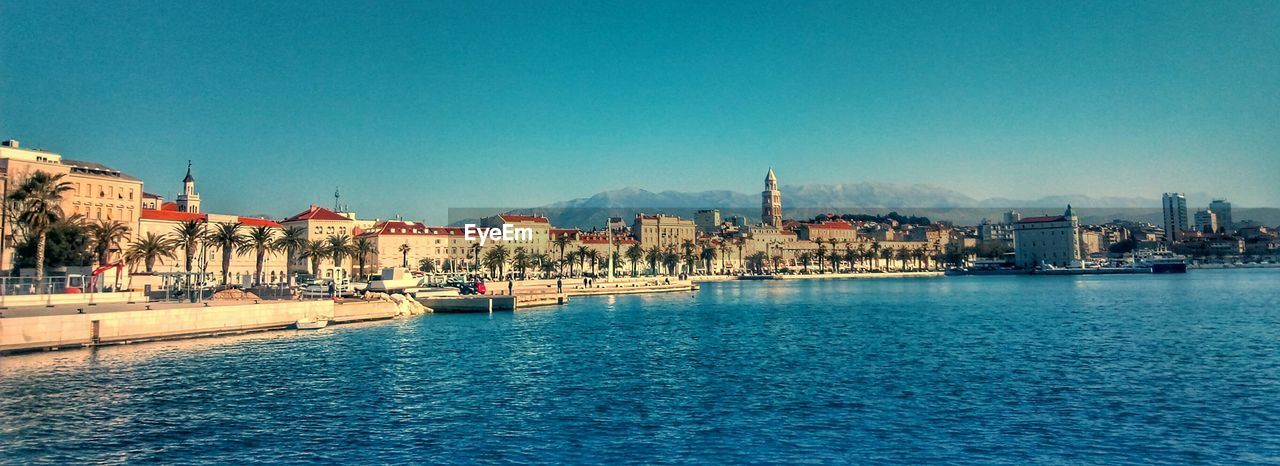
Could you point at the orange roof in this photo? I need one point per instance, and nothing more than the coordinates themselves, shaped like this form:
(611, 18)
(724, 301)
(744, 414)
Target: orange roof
(172, 216)
(829, 226)
(257, 222)
(510, 218)
(316, 212)
(169, 206)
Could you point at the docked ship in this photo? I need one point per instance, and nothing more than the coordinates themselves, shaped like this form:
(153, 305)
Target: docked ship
(1162, 262)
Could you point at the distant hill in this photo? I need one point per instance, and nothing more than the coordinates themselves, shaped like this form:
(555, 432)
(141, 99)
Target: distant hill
(806, 201)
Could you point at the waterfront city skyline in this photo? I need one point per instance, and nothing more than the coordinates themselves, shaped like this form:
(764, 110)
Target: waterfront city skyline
(1009, 101)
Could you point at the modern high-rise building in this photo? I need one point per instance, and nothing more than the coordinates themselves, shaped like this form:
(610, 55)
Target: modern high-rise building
(771, 202)
(1206, 221)
(1222, 209)
(1175, 216)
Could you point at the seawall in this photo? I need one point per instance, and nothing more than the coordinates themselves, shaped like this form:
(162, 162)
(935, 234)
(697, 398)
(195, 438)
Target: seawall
(136, 323)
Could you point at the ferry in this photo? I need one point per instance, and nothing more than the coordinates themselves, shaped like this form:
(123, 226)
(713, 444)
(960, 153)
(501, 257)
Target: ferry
(1162, 262)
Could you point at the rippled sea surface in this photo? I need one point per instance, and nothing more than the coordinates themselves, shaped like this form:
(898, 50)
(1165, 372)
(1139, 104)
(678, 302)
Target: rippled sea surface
(1147, 368)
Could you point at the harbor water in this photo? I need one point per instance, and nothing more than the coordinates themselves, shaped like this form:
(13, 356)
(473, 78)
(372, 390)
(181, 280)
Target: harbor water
(1170, 369)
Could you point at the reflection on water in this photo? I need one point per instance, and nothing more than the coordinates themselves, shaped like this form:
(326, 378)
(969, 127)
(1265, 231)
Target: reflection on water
(1173, 368)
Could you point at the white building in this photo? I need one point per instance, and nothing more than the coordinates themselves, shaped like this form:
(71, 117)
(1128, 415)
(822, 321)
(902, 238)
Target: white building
(1207, 221)
(1051, 240)
(1222, 209)
(1175, 216)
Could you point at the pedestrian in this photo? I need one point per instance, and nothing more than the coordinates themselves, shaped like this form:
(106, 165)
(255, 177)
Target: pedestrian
(559, 285)
(511, 288)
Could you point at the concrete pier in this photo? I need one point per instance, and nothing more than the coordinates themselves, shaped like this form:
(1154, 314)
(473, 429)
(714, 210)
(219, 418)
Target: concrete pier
(26, 329)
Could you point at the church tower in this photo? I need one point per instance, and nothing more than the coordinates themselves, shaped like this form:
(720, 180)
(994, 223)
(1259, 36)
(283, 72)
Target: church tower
(771, 202)
(189, 199)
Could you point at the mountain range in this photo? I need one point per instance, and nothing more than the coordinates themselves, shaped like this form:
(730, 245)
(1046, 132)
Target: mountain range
(806, 201)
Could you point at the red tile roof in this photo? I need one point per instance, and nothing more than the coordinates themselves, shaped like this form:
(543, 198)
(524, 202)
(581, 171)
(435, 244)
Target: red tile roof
(257, 222)
(172, 216)
(829, 226)
(169, 206)
(509, 218)
(1054, 218)
(316, 213)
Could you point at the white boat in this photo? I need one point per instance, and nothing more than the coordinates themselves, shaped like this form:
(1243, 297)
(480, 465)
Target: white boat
(310, 324)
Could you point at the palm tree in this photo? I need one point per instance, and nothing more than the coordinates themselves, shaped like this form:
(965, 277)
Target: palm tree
(821, 252)
(316, 251)
(805, 258)
(404, 255)
(875, 255)
(834, 258)
(39, 202)
(540, 262)
(291, 240)
(653, 256)
(724, 255)
(496, 258)
(426, 265)
(670, 259)
(634, 254)
(583, 253)
(148, 249)
(227, 237)
(520, 259)
(563, 242)
(363, 247)
(709, 256)
(189, 234)
(475, 255)
(260, 240)
(339, 247)
(594, 256)
(105, 236)
(887, 255)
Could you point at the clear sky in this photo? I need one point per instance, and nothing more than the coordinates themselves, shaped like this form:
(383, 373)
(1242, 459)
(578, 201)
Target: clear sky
(413, 107)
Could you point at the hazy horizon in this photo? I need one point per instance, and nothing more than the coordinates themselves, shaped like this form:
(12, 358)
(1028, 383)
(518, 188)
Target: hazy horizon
(414, 108)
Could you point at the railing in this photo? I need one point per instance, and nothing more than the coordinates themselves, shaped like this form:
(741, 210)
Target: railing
(10, 286)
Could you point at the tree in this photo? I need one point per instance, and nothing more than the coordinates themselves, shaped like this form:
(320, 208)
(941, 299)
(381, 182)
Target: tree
(189, 234)
(340, 247)
(404, 255)
(316, 251)
(653, 256)
(821, 252)
(583, 253)
(291, 240)
(105, 236)
(594, 256)
(148, 249)
(426, 265)
(39, 203)
(520, 260)
(806, 258)
(260, 240)
(227, 237)
(709, 256)
(496, 258)
(363, 247)
(66, 244)
(562, 242)
(634, 254)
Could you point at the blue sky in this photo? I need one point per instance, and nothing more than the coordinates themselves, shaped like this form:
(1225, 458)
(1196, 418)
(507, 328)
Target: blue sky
(413, 107)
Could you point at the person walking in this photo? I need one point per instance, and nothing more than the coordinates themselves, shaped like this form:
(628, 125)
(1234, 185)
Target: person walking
(511, 288)
(559, 285)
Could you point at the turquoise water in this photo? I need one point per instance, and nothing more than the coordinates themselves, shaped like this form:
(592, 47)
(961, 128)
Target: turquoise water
(1143, 368)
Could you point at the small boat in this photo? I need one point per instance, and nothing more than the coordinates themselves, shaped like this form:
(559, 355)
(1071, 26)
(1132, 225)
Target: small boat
(310, 324)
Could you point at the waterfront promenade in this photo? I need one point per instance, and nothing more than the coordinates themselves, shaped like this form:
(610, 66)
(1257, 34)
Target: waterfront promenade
(35, 328)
